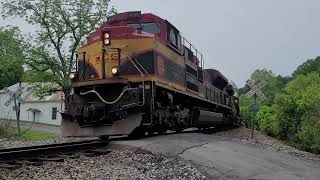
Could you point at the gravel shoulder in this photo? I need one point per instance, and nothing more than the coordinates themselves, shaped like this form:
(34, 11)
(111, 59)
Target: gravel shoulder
(233, 155)
(244, 135)
(123, 162)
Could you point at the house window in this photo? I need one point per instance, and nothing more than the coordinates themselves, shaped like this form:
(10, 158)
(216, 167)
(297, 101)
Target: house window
(54, 113)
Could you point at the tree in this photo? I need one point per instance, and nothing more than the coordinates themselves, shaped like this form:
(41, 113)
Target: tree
(10, 57)
(295, 107)
(311, 65)
(63, 25)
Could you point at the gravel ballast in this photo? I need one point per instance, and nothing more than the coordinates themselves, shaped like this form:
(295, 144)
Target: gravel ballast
(15, 143)
(122, 163)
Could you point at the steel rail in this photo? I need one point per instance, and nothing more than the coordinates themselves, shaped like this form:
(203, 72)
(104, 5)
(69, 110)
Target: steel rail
(33, 152)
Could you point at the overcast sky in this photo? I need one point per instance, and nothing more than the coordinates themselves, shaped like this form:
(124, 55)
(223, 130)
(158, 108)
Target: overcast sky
(238, 36)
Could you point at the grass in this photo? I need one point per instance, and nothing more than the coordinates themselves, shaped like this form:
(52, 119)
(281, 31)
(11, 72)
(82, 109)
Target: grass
(38, 136)
(30, 122)
(7, 131)
(30, 135)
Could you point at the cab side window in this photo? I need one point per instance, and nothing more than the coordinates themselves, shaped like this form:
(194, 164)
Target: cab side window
(174, 37)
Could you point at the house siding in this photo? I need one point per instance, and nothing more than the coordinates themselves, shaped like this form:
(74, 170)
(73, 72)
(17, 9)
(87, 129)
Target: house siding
(45, 116)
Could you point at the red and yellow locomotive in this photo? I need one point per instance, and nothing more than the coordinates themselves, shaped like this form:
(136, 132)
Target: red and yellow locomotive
(136, 74)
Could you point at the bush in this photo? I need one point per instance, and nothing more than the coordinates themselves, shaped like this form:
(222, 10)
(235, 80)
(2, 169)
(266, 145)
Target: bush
(287, 118)
(266, 120)
(246, 111)
(5, 129)
(309, 134)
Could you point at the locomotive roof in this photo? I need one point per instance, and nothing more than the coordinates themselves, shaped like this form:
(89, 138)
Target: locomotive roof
(218, 79)
(131, 16)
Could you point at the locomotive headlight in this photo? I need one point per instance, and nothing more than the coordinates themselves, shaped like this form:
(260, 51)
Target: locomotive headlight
(106, 35)
(72, 76)
(115, 71)
(107, 41)
(106, 38)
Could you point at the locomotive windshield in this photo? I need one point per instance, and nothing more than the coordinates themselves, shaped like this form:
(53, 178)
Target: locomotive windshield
(153, 28)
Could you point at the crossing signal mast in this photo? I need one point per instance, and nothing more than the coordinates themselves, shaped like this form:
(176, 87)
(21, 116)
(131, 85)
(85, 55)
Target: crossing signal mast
(17, 100)
(255, 92)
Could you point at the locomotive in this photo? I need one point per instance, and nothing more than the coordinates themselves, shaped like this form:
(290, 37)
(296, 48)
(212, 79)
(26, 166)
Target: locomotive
(137, 75)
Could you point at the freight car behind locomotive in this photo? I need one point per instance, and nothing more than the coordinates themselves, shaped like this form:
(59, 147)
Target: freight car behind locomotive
(136, 74)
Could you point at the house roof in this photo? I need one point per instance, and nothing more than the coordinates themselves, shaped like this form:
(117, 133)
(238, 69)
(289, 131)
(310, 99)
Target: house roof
(33, 110)
(54, 97)
(28, 94)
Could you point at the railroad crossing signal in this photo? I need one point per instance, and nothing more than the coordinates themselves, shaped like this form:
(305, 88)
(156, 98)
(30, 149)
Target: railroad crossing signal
(255, 92)
(13, 95)
(256, 89)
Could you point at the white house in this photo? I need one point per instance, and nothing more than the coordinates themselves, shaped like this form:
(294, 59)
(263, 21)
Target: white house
(45, 110)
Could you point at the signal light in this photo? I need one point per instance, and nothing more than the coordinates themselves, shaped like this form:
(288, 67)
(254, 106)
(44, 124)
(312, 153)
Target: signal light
(115, 71)
(107, 40)
(72, 76)
(106, 35)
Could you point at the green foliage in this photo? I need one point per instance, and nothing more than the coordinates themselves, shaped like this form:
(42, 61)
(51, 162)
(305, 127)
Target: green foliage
(293, 110)
(309, 133)
(266, 120)
(38, 136)
(287, 116)
(5, 131)
(311, 65)
(10, 56)
(63, 25)
(246, 111)
(290, 107)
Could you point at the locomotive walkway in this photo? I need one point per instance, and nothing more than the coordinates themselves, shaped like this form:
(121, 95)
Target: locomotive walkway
(227, 158)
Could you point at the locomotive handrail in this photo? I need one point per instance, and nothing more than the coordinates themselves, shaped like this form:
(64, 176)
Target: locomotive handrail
(143, 90)
(151, 81)
(105, 101)
(125, 90)
(142, 75)
(142, 67)
(130, 58)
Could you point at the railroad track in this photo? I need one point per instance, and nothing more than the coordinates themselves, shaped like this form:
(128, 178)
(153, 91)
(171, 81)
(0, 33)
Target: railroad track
(36, 155)
(16, 157)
